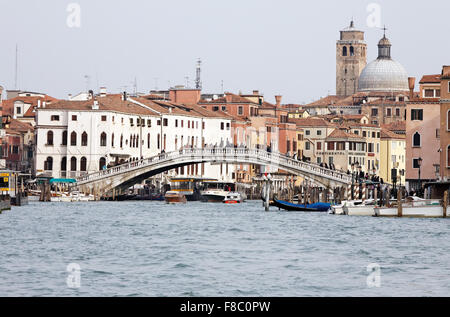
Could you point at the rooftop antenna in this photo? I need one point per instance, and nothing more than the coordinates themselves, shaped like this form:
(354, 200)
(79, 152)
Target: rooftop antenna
(17, 63)
(198, 81)
(88, 82)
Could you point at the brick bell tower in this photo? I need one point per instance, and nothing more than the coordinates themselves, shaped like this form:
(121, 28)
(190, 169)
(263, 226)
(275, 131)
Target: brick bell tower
(351, 58)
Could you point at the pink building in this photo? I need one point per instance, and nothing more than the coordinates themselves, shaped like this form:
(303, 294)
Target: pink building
(422, 141)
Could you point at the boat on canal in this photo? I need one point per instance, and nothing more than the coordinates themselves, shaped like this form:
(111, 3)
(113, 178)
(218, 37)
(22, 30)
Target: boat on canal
(288, 206)
(173, 197)
(233, 198)
(216, 192)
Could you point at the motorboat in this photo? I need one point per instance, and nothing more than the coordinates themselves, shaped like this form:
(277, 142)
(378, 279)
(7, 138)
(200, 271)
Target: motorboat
(173, 197)
(71, 197)
(233, 198)
(415, 207)
(216, 192)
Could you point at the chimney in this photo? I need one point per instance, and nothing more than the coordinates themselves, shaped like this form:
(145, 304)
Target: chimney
(39, 103)
(256, 92)
(228, 97)
(278, 100)
(412, 84)
(95, 105)
(91, 94)
(103, 92)
(124, 96)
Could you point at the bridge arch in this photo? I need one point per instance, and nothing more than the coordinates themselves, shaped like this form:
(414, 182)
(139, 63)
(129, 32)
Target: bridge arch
(126, 175)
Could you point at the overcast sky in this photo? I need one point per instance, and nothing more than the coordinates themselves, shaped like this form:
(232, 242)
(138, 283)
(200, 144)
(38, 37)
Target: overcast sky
(276, 46)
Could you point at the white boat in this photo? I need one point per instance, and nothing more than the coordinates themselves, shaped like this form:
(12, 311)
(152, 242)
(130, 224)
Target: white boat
(233, 198)
(215, 195)
(71, 197)
(359, 208)
(415, 207)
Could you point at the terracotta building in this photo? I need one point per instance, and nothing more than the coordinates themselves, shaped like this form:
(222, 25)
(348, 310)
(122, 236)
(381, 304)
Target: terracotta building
(445, 123)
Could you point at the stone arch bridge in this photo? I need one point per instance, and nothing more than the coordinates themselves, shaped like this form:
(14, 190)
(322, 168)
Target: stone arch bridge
(126, 175)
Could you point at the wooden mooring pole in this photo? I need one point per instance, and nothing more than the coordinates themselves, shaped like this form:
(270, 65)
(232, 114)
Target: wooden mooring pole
(399, 203)
(445, 204)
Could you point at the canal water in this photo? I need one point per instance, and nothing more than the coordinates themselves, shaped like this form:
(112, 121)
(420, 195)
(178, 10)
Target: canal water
(199, 249)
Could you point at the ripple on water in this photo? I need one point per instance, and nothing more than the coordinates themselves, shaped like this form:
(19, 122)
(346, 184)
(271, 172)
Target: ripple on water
(153, 249)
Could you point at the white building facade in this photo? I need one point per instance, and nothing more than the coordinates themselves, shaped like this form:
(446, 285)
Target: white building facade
(81, 137)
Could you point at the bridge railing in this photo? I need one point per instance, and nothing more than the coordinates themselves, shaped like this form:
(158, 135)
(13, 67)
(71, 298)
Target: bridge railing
(238, 154)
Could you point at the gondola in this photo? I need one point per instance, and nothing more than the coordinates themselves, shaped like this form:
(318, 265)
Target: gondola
(318, 207)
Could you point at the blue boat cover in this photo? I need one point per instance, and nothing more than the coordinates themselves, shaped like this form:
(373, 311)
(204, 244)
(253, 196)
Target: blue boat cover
(317, 206)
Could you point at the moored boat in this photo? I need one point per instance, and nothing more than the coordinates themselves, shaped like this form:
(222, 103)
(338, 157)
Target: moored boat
(285, 205)
(175, 198)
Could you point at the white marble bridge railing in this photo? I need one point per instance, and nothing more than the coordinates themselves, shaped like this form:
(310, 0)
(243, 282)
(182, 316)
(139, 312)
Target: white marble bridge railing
(221, 155)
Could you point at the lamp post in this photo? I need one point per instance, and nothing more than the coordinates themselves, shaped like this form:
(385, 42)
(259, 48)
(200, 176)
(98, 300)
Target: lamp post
(419, 162)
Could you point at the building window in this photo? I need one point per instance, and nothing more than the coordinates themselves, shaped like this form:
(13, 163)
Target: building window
(176, 123)
(344, 51)
(388, 112)
(64, 138)
(48, 164)
(429, 93)
(121, 141)
(417, 114)
(416, 140)
(55, 118)
(159, 141)
(74, 118)
(64, 164)
(307, 146)
(228, 126)
(73, 164)
(112, 140)
(319, 146)
(438, 133)
(224, 109)
(352, 51)
(397, 112)
(448, 156)
(374, 112)
(203, 125)
(448, 120)
(149, 123)
(364, 134)
(104, 118)
(73, 139)
(416, 163)
(50, 138)
(222, 126)
(215, 108)
(319, 132)
(165, 122)
(103, 139)
(84, 139)
(240, 110)
(102, 164)
(131, 122)
(148, 141)
(18, 110)
(83, 163)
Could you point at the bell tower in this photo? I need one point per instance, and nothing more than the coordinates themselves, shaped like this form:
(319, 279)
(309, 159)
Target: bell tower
(351, 58)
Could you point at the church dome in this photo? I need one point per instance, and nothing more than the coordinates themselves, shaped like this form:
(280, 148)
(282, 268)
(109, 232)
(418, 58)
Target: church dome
(383, 74)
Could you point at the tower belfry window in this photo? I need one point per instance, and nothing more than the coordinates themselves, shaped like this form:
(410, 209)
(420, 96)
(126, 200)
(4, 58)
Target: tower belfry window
(344, 51)
(352, 51)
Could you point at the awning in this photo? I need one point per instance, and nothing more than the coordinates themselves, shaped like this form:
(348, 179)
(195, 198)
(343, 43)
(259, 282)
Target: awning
(62, 181)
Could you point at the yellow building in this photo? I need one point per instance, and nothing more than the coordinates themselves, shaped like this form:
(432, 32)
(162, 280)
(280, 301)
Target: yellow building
(299, 114)
(392, 156)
